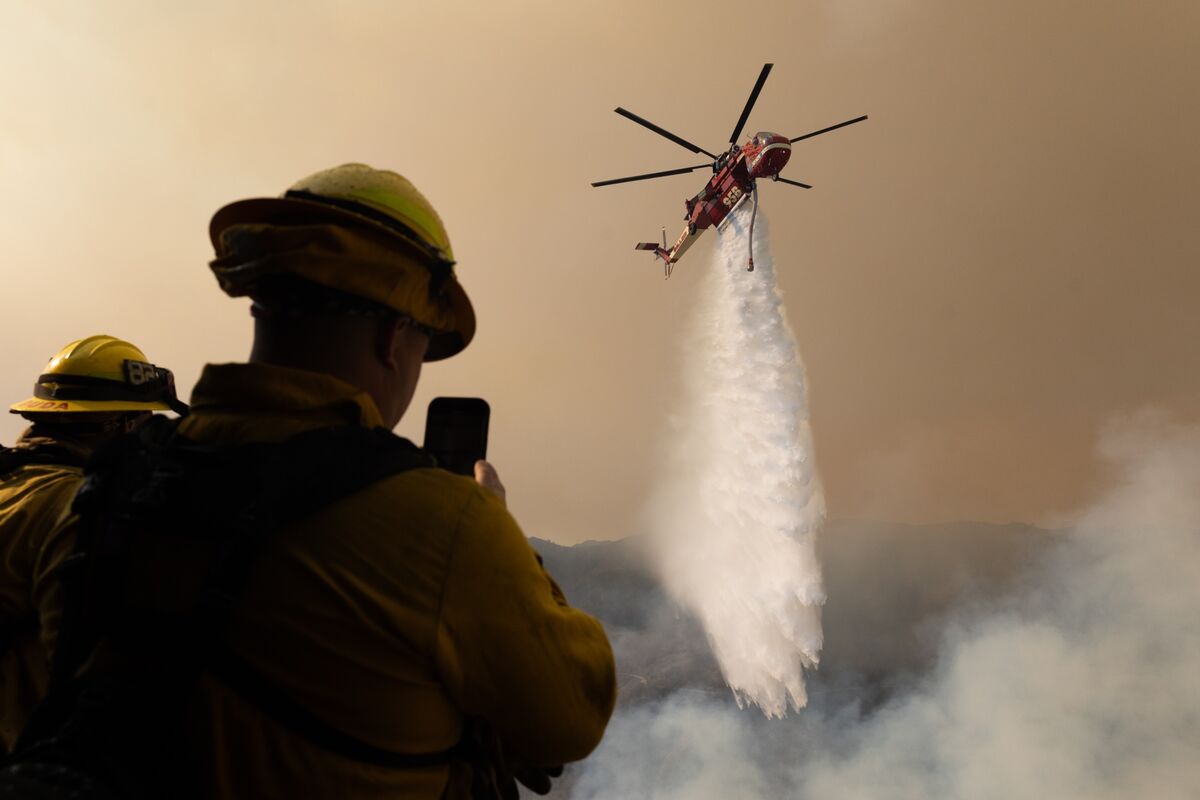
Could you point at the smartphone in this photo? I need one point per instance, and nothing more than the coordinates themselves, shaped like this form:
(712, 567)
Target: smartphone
(456, 432)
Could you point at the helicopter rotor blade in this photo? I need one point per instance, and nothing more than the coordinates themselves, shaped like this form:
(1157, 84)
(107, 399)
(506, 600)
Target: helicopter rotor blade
(793, 183)
(830, 128)
(663, 132)
(649, 175)
(762, 78)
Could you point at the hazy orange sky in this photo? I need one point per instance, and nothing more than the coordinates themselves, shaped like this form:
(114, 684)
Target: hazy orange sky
(1001, 259)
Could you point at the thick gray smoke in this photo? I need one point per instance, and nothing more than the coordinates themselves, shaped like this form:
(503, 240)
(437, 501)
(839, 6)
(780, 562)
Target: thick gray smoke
(1082, 682)
(736, 515)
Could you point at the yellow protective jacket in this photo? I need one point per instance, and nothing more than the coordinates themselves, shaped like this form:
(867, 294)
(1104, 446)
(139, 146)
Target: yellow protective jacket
(33, 500)
(392, 615)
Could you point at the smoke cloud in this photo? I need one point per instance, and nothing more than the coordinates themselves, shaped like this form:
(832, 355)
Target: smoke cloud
(739, 505)
(1080, 682)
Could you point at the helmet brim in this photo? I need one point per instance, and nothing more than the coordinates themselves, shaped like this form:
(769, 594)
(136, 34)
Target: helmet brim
(38, 405)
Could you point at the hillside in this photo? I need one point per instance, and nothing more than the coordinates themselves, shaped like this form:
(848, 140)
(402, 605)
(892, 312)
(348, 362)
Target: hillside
(890, 588)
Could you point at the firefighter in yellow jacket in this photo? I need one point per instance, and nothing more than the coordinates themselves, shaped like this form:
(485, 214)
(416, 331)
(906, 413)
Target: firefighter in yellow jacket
(93, 390)
(417, 605)
(414, 610)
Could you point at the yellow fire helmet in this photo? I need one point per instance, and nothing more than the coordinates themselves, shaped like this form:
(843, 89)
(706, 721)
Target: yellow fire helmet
(101, 374)
(404, 262)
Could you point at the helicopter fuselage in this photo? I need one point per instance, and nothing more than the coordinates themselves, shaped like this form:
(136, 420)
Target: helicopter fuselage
(734, 174)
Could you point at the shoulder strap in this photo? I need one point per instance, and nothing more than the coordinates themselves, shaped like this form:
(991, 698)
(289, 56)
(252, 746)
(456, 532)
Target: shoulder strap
(292, 480)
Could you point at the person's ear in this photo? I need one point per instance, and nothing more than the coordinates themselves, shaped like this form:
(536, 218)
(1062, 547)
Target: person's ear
(389, 339)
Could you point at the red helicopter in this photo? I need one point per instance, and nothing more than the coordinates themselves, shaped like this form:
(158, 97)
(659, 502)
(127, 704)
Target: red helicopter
(734, 180)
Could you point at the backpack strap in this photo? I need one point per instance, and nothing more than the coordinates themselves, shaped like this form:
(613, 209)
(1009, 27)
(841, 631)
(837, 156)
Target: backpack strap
(292, 480)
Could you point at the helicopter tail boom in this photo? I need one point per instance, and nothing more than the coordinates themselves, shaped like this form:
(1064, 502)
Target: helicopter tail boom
(677, 250)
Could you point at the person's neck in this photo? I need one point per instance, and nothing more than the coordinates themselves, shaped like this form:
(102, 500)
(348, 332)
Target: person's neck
(343, 369)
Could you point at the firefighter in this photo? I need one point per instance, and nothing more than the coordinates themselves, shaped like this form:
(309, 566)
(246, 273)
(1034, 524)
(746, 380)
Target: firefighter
(415, 608)
(92, 390)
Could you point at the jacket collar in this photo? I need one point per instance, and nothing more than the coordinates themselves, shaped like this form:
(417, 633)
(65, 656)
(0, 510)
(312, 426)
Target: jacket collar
(257, 388)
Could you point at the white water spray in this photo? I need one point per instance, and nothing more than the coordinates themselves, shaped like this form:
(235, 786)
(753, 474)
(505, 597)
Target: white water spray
(737, 513)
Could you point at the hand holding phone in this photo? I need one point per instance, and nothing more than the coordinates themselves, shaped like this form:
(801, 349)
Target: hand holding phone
(487, 477)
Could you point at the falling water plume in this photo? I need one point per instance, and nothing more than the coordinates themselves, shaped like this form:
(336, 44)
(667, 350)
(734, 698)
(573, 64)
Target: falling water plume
(740, 505)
